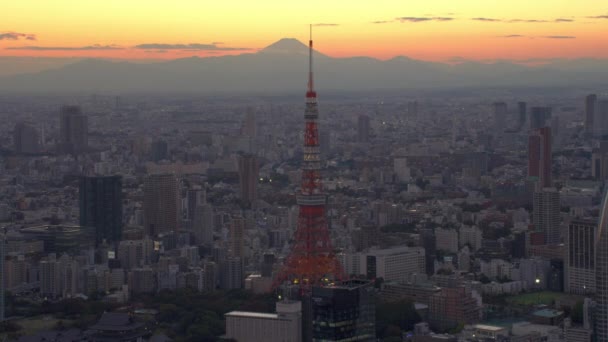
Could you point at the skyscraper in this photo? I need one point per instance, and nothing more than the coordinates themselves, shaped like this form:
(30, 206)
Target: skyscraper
(363, 128)
(523, 114)
(601, 273)
(539, 157)
(26, 138)
(100, 200)
(73, 130)
(580, 257)
(162, 205)
(500, 117)
(590, 102)
(235, 237)
(601, 116)
(203, 225)
(248, 179)
(344, 312)
(545, 214)
(312, 260)
(539, 116)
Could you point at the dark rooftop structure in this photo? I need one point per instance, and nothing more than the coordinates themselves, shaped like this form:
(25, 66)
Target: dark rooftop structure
(114, 326)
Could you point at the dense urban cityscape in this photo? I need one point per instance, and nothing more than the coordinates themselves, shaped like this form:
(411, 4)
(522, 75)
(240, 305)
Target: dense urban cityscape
(464, 214)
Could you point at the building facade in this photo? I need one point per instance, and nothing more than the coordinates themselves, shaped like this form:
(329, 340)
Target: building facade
(100, 201)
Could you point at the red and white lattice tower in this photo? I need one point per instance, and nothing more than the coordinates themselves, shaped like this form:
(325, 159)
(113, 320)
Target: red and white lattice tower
(312, 260)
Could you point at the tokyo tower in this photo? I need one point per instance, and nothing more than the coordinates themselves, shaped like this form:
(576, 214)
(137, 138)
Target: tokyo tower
(312, 260)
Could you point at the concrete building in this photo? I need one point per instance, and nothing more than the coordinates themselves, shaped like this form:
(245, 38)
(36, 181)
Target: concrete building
(540, 157)
(580, 257)
(546, 214)
(363, 129)
(446, 240)
(203, 225)
(162, 205)
(236, 230)
(470, 235)
(282, 326)
(590, 103)
(394, 264)
(453, 306)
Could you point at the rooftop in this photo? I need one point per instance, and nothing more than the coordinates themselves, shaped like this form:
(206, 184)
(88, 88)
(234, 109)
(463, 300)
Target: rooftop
(252, 314)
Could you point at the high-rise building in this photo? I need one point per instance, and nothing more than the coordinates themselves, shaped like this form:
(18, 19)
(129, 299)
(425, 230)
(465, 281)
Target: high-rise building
(100, 201)
(453, 306)
(26, 138)
(500, 117)
(363, 128)
(231, 273)
(248, 179)
(312, 260)
(540, 157)
(601, 118)
(345, 311)
(580, 257)
(601, 273)
(539, 116)
(522, 109)
(73, 130)
(545, 214)
(590, 102)
(159, 150)
(162, 205)
(599, 161)
(203, 225)
(236, 231)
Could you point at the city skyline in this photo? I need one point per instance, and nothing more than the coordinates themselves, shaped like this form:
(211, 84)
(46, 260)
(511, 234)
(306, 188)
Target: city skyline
(437, 31)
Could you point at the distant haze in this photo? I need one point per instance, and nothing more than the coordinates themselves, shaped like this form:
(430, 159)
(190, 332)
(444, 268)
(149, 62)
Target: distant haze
(282, 67)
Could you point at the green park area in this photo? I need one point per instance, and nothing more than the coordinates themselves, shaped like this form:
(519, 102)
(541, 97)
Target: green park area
(537, 298)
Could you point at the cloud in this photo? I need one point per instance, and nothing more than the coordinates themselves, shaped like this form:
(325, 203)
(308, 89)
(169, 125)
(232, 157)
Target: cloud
(67, 48)
(382, 21)
(527, 21)
(563, 20)
(486, 19)
(559, 37)
(512, 36)
(422, 19)
(17, 36)
(325, 25)
(599, 17)
(191, 47)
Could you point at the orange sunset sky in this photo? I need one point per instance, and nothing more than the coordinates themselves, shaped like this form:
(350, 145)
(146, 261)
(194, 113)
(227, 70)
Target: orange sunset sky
(431, 30)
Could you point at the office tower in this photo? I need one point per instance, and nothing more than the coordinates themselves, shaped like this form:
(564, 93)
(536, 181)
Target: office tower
(545, 214)
(236, 231)
(363, 128)
(590, 102)
(522, 109)
(500, 117)
(203, 225)
(142, 280)
(312, 259)
(26, 138)
(249, 173)
(539, 157)
(73, 130)
(231, 271)
(394, 264)
(453, 306)
(580, 257)
(159, 150)
(194, 198)
(100, 201)
(344, 312)
(601, 118)
(162, 205)
(539, 116)
(601, 273)
(599, 161)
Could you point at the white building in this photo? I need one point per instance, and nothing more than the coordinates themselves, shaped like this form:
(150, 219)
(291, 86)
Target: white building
(470, 235)
(283, 326)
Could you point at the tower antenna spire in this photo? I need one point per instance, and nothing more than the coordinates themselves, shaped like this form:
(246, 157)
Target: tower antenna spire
(311, 91)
